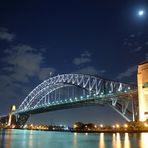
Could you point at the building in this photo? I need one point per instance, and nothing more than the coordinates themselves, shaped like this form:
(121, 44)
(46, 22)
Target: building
(142, 77)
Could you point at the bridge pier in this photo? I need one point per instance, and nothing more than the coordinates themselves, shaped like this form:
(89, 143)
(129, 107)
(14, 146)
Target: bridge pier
(21, 120)
(11, 117)
(142, 77)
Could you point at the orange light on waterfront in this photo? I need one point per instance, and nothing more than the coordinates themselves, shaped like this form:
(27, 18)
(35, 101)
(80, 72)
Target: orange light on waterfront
(113, 126)
(125, 125)
(13, 125)
(145, 124)
(75, 126)
(117, 125)
(101, 125)
(95, 126)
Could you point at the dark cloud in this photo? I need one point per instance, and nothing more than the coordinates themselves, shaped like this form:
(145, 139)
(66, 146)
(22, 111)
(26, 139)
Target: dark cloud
(21, 64)
(128, 72)
(136, 42)
(84, 58)
(146, 43)
(132, 35)
(5, 35)
(137, 49)
(90, 70)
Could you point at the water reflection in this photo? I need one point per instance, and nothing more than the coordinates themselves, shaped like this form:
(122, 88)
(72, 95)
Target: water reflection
(127, 141)
(118, 140)
(101, 141)
(5, 138)
(75, 140)
(144, 140)
(114, 140)
(30, 139)
(38, 139)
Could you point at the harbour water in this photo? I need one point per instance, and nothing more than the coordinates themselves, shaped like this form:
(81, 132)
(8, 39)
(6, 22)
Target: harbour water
(12, 138)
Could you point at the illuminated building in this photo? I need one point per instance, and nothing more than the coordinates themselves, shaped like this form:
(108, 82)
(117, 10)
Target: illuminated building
(143, 90)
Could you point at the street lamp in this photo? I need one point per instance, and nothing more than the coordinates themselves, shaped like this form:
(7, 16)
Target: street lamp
(117, 125)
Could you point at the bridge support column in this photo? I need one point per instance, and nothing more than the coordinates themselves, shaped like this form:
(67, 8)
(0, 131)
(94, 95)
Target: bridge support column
(10, 115)
(143, 91)
(21, 120)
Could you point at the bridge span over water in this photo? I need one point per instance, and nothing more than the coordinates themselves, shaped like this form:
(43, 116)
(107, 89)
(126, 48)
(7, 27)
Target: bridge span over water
(76, 90)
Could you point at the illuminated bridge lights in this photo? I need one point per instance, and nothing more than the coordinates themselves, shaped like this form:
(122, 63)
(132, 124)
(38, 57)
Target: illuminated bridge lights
(76, 98)
(51, 91)
(102, 93)
(87, 96)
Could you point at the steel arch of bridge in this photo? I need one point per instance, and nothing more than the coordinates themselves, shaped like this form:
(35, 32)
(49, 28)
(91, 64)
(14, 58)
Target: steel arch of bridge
(97, 86)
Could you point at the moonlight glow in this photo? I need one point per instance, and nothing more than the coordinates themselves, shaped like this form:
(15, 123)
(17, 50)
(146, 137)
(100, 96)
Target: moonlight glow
(140, 13)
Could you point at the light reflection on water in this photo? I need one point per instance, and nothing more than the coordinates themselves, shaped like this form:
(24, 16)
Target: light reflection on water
(144, 140)
(41, 139)
(75, 140)
(127, 141)
(118, 141)
(102, 141)
(114, 140)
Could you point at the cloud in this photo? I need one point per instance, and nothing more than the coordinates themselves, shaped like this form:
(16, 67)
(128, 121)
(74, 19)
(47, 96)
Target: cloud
(136, 42)
(132, 35)
(146, 43)
(86, 54)
(21, 65)
(23, 61)
(84, 58)
(91, 70)
(81, 60)
(45, 73)
(5, 35)
(137, 49)
(129, 72)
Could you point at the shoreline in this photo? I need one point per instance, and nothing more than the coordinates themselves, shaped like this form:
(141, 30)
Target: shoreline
(115, 131)
(85, 131)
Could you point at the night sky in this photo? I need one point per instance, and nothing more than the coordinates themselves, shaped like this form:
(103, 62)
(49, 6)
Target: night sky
(40, 38)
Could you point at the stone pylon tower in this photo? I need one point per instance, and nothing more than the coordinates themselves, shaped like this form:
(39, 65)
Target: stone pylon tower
(12, 109)
(142, 77)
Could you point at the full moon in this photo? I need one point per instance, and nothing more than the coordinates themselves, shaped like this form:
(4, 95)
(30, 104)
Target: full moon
(140, 12)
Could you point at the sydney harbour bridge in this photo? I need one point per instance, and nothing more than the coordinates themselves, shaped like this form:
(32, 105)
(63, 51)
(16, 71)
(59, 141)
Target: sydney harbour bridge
(75, 90)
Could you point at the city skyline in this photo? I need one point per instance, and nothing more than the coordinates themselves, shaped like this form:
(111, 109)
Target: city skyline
(43, 39)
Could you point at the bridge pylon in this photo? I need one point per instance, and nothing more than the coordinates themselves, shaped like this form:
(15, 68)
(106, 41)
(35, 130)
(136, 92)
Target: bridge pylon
(11, 117)
(142, 77)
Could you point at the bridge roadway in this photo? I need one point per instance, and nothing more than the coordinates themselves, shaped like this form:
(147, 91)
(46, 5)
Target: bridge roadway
(82, 102)
(103, 92)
